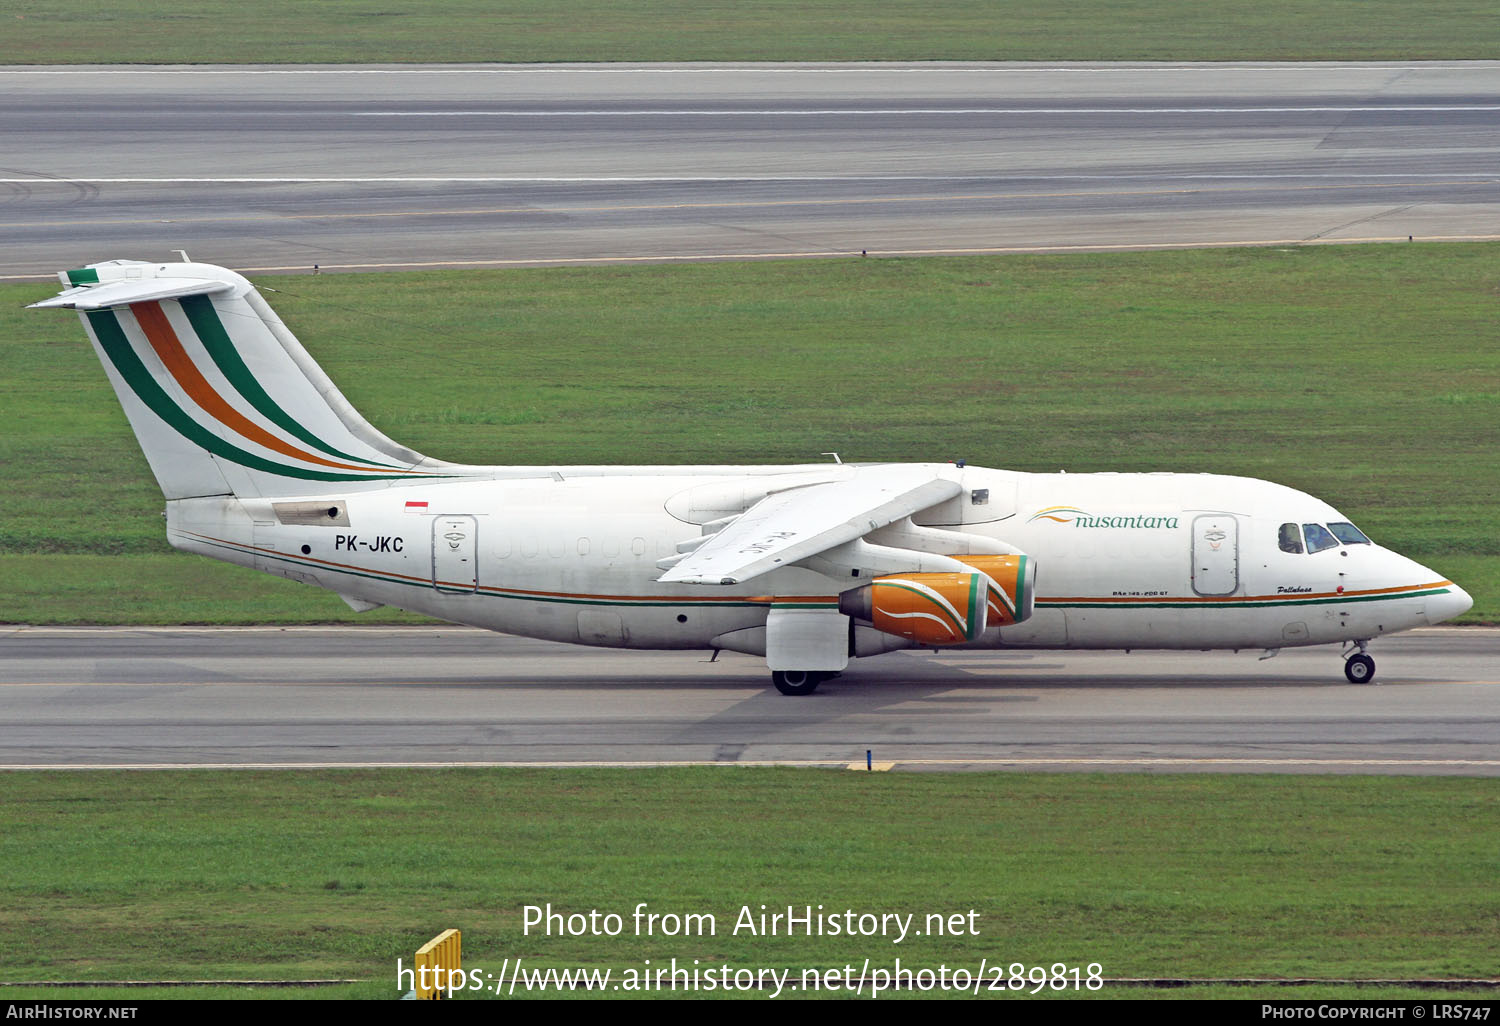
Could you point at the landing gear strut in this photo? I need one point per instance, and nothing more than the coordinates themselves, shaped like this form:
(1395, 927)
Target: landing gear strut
(797, 682)
(1360, 668)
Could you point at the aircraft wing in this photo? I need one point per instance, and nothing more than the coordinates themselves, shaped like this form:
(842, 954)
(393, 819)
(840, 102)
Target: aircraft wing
(785, 527)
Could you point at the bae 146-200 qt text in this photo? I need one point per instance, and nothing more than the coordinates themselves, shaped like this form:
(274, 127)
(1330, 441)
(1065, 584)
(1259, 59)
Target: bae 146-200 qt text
(264, 463)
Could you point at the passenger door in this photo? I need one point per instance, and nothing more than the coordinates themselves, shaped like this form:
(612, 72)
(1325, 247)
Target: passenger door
(1216, 554)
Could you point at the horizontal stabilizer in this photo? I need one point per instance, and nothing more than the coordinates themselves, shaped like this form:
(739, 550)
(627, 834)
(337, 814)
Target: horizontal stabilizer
(123, 293)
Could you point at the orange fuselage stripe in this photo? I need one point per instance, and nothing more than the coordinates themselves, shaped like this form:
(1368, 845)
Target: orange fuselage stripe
(1222, 599)
(356, 567)
(773, 599)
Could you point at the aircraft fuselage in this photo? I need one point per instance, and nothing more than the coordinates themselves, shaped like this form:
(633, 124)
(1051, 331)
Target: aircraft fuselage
(572, 554)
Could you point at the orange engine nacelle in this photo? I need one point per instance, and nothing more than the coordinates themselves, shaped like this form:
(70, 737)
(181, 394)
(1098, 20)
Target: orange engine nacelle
(1012, 586)
(930, 609)
(947, 608)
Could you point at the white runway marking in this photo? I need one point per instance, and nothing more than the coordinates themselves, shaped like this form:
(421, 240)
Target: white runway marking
(742, 69)
(1479, 177)
(887, 112)
(1353, 179)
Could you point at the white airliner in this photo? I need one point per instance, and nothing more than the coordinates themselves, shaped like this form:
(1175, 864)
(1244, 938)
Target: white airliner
(265, 464)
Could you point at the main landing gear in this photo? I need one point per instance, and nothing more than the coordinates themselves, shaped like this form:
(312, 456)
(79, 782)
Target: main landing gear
(798, 682)
(1360, 668)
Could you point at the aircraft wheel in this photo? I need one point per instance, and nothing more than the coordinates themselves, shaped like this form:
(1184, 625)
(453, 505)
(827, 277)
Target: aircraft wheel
(796, 682)
(1360, 669)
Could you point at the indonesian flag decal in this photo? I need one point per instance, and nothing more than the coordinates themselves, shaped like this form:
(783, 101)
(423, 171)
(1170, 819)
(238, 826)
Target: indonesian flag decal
(416, 506)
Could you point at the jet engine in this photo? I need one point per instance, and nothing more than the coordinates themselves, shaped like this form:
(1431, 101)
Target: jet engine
(1012, 590)
(930, 609)
(947, 608)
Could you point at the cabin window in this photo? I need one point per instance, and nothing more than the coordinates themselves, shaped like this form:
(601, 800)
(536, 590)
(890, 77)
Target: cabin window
(1319, 538)
(1290, 538)
(1348, 533)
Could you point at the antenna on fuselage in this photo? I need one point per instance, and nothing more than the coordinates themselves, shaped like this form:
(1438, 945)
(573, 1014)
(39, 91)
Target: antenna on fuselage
(835, 457)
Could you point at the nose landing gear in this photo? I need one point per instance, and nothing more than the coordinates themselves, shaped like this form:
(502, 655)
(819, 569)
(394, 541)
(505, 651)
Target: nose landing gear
(1360, 668)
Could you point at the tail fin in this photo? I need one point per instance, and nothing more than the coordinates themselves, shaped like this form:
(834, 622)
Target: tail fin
(222, 397)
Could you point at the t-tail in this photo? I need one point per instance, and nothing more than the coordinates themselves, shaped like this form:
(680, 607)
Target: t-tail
(222, 397)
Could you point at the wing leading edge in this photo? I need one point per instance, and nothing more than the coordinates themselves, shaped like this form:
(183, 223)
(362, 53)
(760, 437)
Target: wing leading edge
(792, 525)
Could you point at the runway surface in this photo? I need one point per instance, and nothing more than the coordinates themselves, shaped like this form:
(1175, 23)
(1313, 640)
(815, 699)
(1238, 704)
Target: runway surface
(444, 696)
(280, 168)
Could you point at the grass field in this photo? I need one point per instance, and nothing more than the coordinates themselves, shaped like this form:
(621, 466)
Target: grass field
(362, 31)
(335, 874)
(1369, 376)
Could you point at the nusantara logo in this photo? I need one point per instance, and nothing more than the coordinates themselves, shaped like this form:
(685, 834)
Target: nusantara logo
(1080, 518)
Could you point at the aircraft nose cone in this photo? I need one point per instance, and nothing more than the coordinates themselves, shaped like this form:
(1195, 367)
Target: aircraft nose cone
(1453, 602)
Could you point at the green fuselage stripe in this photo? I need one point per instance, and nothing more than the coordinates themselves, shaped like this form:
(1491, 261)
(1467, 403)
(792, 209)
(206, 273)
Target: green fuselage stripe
(727, 603)
(1241, 604)
(502, 593)
(205, 321)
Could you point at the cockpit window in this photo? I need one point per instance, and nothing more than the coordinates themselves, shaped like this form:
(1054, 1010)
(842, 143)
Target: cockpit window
(1348, 533)
(1290, 538)
(1319, 538)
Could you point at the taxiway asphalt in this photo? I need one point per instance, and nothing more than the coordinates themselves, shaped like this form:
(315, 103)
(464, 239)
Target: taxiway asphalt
(281, 168)
(310, 697)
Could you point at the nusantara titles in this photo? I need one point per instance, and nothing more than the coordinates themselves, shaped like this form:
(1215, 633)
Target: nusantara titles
(1084, 520)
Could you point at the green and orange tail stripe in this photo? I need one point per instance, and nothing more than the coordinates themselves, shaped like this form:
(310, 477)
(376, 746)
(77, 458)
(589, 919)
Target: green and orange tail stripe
(203, 414)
